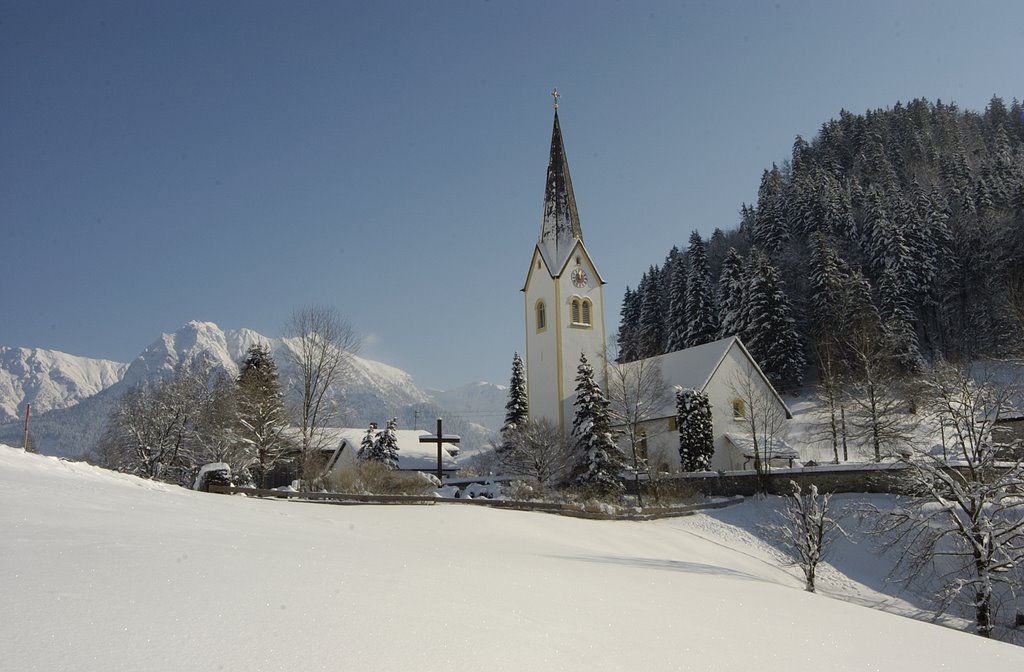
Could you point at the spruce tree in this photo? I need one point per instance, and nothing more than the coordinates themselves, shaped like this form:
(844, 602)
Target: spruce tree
(517, 408)
(388, 445)
(260, 409)
(700, 310)
(366, 446)
(897, 323)
(731, 294)
(770, 230)
(677, 322)
(629, 326)
(827, 290)
(652, 315)
(598, 461)
(771, 334)
(383, 448)
(696, 438)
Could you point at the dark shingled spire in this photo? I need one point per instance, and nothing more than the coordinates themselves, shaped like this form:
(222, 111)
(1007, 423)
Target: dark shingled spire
(561, 223)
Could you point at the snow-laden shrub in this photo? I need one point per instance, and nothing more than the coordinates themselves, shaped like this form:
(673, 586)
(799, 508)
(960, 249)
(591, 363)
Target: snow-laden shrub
(375, 478)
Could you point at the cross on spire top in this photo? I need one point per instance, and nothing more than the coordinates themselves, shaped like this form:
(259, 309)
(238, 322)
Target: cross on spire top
(556, 95)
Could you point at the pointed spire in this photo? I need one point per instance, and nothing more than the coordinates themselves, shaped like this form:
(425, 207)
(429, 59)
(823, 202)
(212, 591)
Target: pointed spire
(561, 223)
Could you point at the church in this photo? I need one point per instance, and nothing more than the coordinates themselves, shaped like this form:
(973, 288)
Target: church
(564, 318)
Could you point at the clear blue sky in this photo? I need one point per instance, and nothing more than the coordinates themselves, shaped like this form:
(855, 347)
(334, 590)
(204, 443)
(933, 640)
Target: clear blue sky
(231, 161)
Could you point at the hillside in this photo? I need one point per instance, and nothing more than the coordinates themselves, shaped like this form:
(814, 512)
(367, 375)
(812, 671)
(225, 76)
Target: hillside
(915, 214)
(108, 572)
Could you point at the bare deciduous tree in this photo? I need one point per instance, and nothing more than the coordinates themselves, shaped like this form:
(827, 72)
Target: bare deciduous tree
(637, 393)
(964, 523)
(830, 393)
(321, 345)
(878, 415)
(763, 419)
(152, 429)
(807, 529)
(538, 450)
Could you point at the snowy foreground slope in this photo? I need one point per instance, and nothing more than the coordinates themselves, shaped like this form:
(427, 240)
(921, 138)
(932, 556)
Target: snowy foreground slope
(102, 571)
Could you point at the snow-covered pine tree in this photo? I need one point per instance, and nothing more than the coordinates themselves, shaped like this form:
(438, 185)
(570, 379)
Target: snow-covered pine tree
(388, 445)
(771, 334)
(652, 327)
(827, 287)
(381, 448)
(700, 310)
(517, 408)
(677, 325)
(731, 294)
(696, 437)
(598, 460)
(629, 326)
(366, 446)
(898, 323)
(260, 409)
(770, 230)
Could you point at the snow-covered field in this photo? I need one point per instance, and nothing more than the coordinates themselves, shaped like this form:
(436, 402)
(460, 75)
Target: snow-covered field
(101, 571)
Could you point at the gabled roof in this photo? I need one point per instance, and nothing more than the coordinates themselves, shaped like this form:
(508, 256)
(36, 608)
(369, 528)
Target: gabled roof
(693, 368)
(560, 224)
(556, 271)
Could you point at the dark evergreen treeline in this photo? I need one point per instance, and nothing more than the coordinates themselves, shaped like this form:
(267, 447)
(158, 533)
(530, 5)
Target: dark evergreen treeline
(918, 210)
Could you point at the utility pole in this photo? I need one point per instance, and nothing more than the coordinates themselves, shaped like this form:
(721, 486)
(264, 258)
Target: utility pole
(24, 442)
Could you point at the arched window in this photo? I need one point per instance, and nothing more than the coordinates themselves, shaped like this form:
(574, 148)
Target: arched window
(542, 318)
(586, 312)
(575, 311)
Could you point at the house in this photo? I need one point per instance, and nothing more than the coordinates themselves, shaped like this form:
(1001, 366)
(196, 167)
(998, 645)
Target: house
(744, 406)
(344, 443)
(1008, 436)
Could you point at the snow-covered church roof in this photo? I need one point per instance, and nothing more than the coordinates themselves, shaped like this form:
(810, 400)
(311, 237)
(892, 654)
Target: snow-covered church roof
(693, 368)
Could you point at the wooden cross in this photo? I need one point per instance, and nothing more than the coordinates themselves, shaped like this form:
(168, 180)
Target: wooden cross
(439, 439)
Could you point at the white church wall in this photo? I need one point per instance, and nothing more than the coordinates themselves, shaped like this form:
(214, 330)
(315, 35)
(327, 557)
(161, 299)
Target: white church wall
(542, 345)
(735, 377)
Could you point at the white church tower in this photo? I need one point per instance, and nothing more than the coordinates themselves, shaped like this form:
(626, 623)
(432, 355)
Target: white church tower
(563, 299)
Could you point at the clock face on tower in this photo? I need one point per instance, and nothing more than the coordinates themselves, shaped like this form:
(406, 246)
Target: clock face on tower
(578, 277)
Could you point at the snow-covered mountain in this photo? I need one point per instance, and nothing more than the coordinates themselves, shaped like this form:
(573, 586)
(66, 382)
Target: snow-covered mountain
(49, 380)
(370, 385)
(481, 402)
(79, 393)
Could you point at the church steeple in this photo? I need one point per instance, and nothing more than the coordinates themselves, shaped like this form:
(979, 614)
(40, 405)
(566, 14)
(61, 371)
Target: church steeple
(564, 297)
(560, 228)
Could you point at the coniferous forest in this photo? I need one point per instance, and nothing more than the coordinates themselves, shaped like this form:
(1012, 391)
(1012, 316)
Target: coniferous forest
(896, 232)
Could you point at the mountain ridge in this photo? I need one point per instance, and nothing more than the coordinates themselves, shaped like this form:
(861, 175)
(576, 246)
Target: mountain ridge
(70, 425)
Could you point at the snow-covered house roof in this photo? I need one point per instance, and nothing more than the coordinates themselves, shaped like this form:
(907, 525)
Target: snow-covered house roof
(412, 454)
(693, 368)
